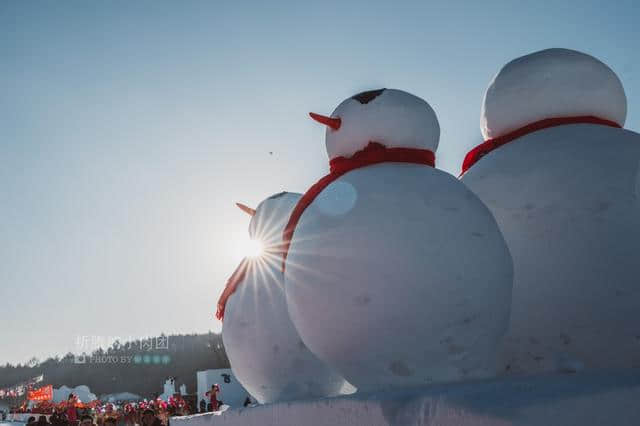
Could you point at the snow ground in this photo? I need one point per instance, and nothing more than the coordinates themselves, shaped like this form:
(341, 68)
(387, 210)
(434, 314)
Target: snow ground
(594, 398)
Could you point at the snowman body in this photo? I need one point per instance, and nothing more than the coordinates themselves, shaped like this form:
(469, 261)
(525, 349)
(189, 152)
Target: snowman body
(265, 351)
(397, 275)
(566, 197)
(567, 200)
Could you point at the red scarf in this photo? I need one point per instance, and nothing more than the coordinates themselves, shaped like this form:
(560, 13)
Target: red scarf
(236, 278)
(373, 153)
(486, 147)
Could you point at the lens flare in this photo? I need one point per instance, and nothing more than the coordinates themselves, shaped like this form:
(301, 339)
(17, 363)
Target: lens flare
(253, 248)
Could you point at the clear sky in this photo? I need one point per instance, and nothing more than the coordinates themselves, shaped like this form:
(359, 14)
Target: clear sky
(128, 129)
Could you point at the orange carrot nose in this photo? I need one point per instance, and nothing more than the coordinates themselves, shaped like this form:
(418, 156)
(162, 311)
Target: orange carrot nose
(334, 123)
(248, 210)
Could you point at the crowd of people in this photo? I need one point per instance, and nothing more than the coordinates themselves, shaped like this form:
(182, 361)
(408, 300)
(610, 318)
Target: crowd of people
(154, 412)
(75, 413)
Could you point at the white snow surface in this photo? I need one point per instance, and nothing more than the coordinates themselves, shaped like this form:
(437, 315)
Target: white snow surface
(556, 400)
(394, 119)
(567, 200)
(398, 275)
(266, 353)
(272, 215)
(547, 84)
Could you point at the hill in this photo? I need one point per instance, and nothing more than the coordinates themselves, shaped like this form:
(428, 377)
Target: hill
(139, 366)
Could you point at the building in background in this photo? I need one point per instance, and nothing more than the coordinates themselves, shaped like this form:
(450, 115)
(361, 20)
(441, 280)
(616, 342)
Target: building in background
(231, 391)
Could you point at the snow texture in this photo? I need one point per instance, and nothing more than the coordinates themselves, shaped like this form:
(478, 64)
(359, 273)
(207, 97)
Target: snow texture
(271, 217)
(266, 354)
(555, 400)
(567, 201)
(548, 84)
(398, 275)
(394, 118)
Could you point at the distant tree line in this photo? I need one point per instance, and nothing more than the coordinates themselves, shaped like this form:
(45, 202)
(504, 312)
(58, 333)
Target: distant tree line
(139, 366)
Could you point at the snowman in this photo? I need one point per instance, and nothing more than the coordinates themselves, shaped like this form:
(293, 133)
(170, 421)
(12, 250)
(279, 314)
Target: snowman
(561, 178)
(266, 354)
(395, 273)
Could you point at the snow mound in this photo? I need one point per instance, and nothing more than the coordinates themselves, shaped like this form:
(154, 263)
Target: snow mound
(82, 392)
(603, 398)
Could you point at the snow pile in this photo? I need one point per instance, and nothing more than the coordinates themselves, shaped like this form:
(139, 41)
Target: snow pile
(603, 398)
(82, 392)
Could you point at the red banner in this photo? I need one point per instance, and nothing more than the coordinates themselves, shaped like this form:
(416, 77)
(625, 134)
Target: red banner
(44, 393)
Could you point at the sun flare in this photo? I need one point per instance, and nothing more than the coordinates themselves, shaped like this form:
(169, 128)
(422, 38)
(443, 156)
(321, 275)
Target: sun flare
(252, 248)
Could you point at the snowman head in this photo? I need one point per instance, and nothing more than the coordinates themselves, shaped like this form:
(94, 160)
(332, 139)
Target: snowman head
(552, 83)
(269, 219)
(393, 118)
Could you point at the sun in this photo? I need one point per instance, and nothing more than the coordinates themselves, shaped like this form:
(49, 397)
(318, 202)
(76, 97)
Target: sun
(252, 248)
(243, 246)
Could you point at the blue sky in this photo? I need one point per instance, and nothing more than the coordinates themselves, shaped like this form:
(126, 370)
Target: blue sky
(129, 128)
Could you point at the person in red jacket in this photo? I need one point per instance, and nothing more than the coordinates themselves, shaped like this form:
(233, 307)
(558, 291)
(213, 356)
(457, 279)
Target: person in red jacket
(72, 413)
(213, 396)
